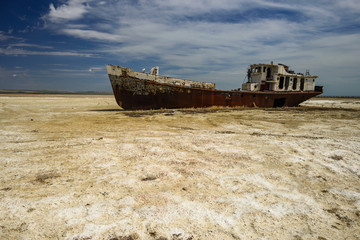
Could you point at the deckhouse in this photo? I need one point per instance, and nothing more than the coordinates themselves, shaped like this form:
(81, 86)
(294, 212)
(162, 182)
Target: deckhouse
(277, 77)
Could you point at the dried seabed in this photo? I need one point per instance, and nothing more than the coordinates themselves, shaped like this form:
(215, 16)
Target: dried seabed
(78, 168)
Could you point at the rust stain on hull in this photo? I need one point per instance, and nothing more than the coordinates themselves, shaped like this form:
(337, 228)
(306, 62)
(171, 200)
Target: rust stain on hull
(132, 93)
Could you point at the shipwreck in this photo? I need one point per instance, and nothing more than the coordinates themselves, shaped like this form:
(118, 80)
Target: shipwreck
(268, 85)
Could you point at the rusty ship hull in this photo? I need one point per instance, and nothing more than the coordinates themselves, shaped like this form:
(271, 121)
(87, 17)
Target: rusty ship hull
(132, 93)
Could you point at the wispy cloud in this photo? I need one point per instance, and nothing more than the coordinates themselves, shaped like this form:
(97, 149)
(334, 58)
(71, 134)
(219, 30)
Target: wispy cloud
(216, 40)
(93, 35)
(164, 28)
(5, 37)
(18, 51)
(29, 45)
(97, 69)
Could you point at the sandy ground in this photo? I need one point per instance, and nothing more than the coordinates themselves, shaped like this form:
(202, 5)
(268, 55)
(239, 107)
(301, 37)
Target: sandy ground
(80, 168)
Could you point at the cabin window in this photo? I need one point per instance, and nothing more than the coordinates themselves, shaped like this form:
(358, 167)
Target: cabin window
(294, 84)
(268, 74)
(302, 82)
(281, 83)
(287, 81)
(264, 70)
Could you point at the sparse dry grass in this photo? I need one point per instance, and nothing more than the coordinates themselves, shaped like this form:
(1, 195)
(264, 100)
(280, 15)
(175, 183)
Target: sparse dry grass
(81, 168)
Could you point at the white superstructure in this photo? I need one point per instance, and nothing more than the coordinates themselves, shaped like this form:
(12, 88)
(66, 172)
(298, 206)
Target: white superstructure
(277, 77)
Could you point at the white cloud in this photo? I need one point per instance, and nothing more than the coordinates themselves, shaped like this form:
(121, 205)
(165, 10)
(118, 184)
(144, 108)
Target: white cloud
(92, 34)
(353, 5)
(17, 51)
(74, 9)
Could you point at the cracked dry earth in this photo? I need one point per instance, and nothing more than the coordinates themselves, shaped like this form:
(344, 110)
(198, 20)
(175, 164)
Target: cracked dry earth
(78, 167)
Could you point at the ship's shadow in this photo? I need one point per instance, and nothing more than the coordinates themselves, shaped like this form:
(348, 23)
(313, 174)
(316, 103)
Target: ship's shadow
(138, 113)
(192, 111)
(108, 110)
(169, 112)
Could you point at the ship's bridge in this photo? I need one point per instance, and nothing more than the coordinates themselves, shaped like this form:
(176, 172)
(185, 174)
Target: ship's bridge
(277, 77)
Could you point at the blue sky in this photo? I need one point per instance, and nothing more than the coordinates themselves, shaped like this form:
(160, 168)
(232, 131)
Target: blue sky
(64, 45)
